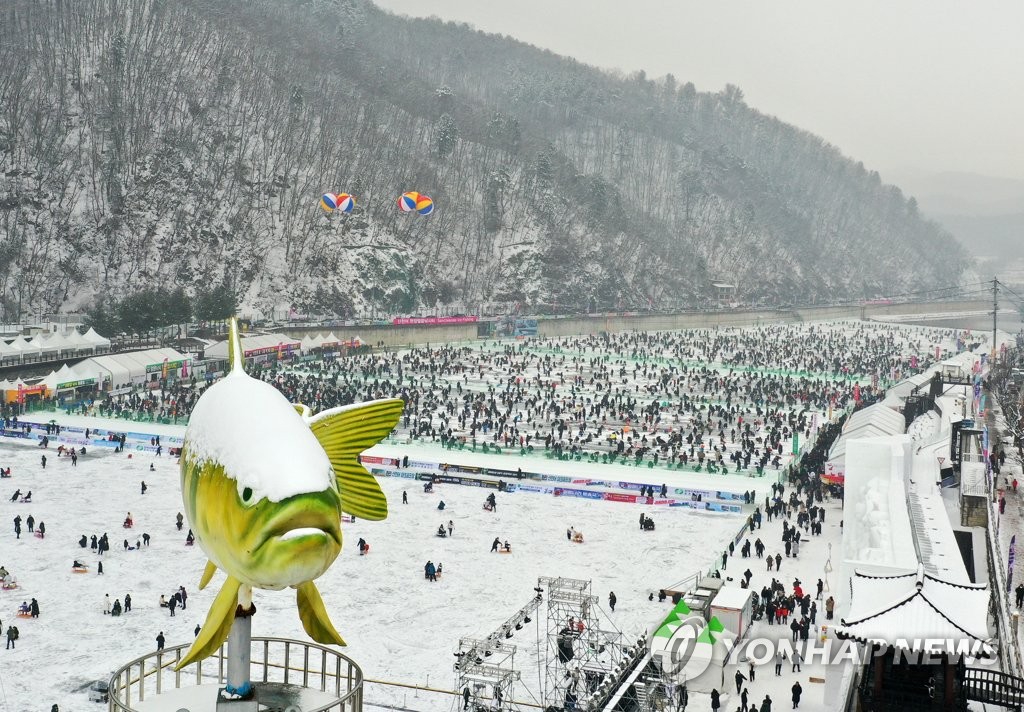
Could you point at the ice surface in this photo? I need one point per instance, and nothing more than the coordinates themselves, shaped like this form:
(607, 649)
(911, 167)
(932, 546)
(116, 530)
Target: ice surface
(399, 627)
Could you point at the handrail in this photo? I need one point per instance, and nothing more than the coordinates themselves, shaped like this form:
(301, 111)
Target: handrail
(146, 674)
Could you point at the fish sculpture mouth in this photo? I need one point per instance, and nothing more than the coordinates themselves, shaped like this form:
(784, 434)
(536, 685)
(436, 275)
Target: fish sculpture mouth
(299, 527)
(301, 532)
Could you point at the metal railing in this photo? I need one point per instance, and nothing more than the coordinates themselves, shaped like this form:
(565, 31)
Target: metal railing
(993, 687)
(277, 661)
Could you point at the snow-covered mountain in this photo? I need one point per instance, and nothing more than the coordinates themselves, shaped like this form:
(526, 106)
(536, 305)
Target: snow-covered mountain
(156, 144)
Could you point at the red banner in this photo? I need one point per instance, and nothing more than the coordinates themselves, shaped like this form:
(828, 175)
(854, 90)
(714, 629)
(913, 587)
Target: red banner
(374, 460)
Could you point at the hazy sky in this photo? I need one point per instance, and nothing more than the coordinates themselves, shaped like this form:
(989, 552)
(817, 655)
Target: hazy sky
(907, 86)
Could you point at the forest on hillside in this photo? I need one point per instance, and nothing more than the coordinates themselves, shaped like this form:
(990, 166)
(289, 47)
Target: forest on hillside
(156, 145)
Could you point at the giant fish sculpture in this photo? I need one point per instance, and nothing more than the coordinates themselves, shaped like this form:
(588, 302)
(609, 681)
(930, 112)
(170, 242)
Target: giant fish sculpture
(264, 484)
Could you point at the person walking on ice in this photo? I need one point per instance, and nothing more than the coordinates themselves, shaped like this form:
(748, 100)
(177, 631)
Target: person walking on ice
(612, 600)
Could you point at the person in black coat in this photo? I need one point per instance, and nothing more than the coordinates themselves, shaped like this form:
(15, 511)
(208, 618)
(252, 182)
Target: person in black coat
(715, 700)
(160, 641)
(797, 691)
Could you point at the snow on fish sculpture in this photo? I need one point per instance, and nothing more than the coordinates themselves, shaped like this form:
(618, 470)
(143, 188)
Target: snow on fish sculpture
(264, 485)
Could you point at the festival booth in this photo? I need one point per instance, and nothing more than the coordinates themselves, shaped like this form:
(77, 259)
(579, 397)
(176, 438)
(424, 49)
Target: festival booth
(30, 352)
(68, 383)
(78, 345)
(49, 345)
(9, 356)
(331, 343)
(131, 368)
(309, 344)
(100, 344)
(258, 348)
(22, 393)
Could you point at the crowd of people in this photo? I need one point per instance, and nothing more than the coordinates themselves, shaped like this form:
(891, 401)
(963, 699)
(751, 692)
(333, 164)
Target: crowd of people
(728, 399)
(716, 399)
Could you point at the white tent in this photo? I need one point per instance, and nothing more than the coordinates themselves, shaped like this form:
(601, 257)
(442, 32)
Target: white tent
(78, 343)
(877, 420)
(127, 367)
(101, 343)
(67, 378)
(58, 341)
(310, 343)
(256, 345)
(48, 344)
(29, 351)
(9, 353)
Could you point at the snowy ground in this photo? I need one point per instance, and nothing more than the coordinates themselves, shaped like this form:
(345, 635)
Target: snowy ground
(399, 627)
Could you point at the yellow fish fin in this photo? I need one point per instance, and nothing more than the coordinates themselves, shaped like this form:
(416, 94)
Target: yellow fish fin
(235, 353)
(314, 616)
(344, 433)
(217, 625)
(208, 573)
(302, 410)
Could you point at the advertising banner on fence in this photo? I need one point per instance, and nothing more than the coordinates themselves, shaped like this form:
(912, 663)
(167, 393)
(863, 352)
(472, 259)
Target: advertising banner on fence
(432, 320)
(584, 494)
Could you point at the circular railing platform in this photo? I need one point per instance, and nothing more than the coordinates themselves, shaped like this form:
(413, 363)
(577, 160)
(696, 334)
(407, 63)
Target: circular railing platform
(286, 674)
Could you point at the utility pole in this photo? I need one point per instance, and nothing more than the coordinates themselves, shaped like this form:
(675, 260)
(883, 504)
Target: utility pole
(995, 312)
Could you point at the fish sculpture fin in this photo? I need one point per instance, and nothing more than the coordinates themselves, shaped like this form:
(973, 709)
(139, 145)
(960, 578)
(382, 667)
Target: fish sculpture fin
(314, 616)
(344, 433)
(302, 410)
(208, 573)
(217, 626)
(235, 352)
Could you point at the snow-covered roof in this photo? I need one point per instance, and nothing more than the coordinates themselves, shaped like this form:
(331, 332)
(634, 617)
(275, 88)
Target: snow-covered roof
(121, 368)
(731, 597)
(877, 420)
(915, 608)
(879, 415)
(255, 344)
(896, 394)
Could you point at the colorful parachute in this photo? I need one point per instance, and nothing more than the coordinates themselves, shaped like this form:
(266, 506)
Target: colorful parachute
(413, 201)
(345, 202)
(329, 202)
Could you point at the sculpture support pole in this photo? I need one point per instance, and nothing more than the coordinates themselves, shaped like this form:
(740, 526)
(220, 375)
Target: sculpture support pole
(240, 647)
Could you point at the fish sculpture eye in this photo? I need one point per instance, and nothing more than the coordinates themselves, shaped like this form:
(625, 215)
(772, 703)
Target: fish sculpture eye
(247, 495)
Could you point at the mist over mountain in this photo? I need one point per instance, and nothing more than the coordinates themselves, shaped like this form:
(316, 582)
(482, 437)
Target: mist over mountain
(155, 145)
